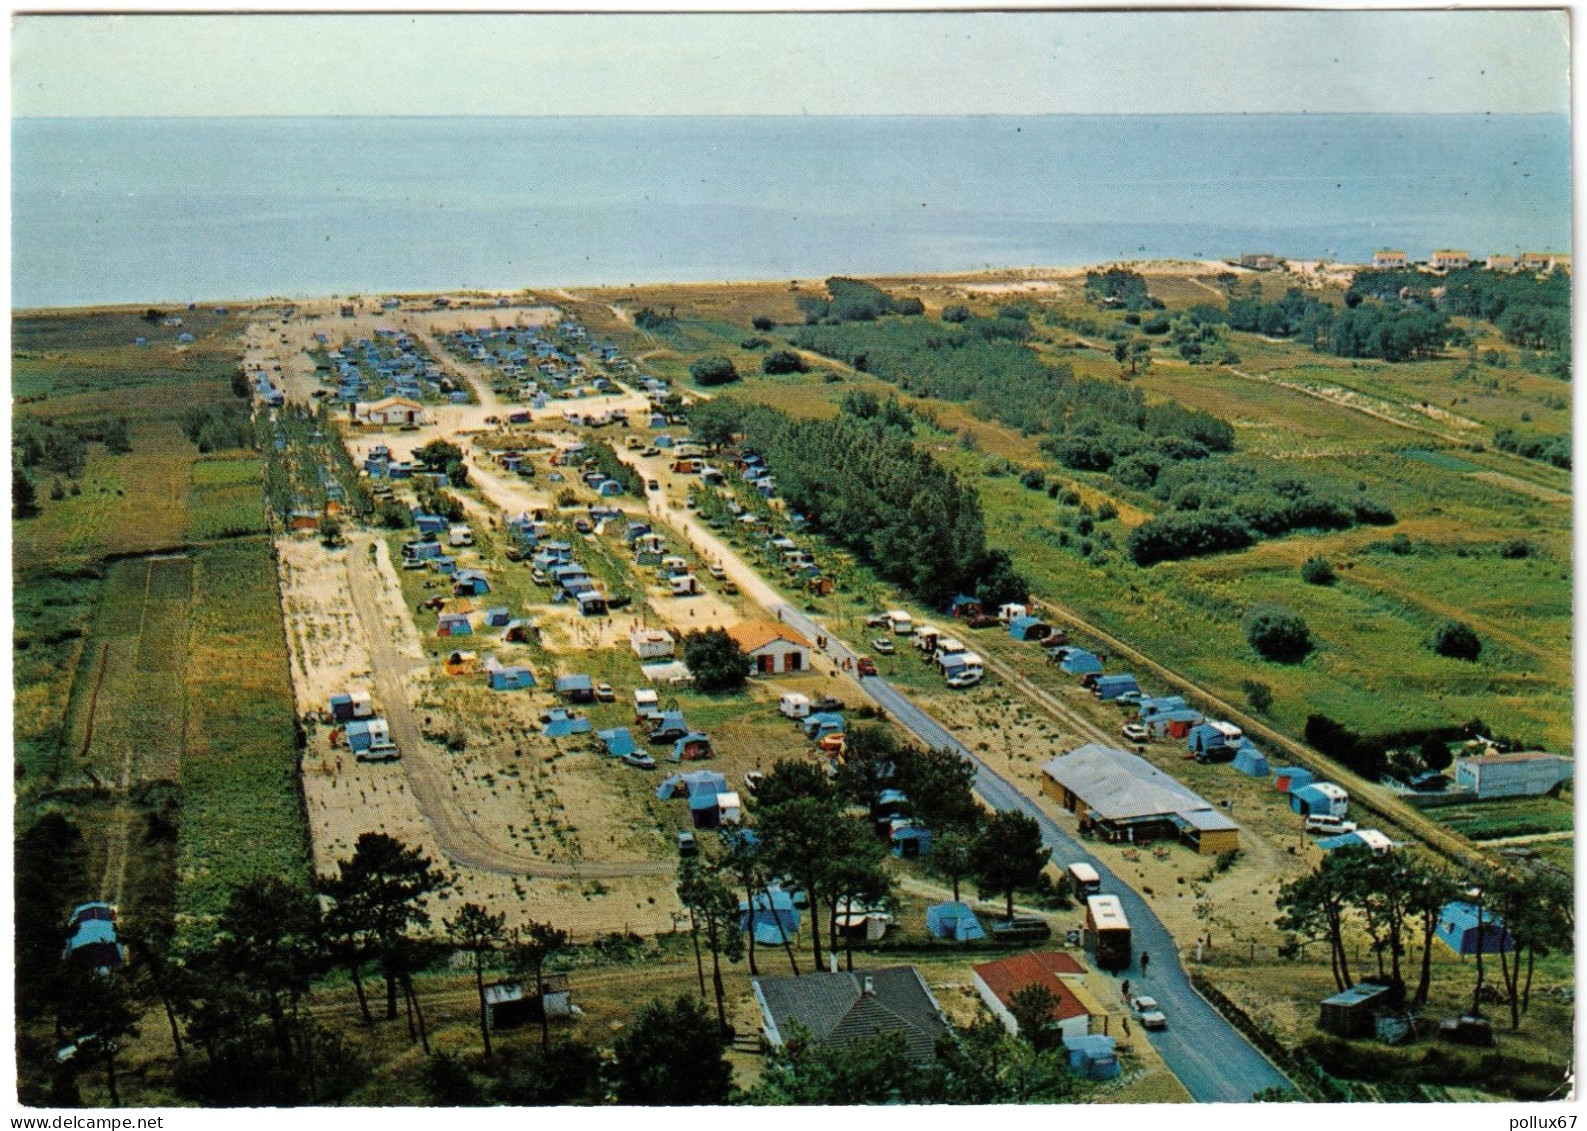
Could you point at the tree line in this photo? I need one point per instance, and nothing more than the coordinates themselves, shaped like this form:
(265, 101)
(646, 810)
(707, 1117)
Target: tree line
(854, 300)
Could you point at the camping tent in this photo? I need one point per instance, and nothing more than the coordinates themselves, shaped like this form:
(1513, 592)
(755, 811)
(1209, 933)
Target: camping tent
(618, 741)
(560, 724)
(1028, 628)
(1093, 1056)
(515, 678)
(1457, 927)
(953, 921)
(1322, 798)
(1287, 778)
(775, 919)
(1249, 760)
(1112, 686)
(910, 841)
(820, 723)
(1080, 662)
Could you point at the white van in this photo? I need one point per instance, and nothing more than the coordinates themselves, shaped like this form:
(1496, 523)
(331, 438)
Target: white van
(1085, 879)
(1328, 824)
(902, 623)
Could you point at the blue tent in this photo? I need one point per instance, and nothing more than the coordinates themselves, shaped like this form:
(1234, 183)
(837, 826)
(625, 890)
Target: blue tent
(1206, 737)
(618, 741)
(821, 723)
(575, 686)
(775, 919)
(910, 841)
(515, 678)
(964, 606)
(1249, 760)
(1027, 627)
(560, 724)
(1093, 1056)
(341, 707)
(704, 782)
(690, 747)
(1287, 778)
(1159, 704)
(498, 617)
(1080, 662)
(1457, 926)
(1319, 797)
(953, 921)
(1112, 686)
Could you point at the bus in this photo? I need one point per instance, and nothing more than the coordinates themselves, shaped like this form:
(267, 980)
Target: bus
(1085, 880)
(1108, 932)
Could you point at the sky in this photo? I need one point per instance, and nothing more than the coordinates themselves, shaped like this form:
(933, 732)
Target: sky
(1504, 61)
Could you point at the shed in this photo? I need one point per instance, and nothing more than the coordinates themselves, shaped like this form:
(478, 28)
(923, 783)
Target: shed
(618, 741)
(341, 707)
(954, 920)
(1513, 775)
(1457, 927)
(1080, 662)
(454, 624)
(1322, 798)
(1110, 687)
(515, 678)
(1353, 1012)
(1287, 778)
(1249, 760)
(1093, 1056)
(1028, 628)
(561, 724)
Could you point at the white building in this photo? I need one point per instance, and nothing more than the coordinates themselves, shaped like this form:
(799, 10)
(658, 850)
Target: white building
(1513, 775)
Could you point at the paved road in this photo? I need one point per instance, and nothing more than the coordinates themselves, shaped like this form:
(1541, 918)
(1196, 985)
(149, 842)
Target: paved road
(423, 762)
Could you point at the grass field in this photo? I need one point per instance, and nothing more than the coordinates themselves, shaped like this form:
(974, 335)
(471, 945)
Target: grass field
(241, 812)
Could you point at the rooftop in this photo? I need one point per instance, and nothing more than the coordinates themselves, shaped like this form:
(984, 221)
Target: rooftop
(1007, 976)
(837, 1009)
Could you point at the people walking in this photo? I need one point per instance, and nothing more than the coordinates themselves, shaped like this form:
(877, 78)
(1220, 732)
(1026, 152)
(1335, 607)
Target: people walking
(1145, 961)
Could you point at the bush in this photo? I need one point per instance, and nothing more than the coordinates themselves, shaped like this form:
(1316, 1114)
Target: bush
(1278, 634)
(1106, 510)
(1034, 479)
(1258, 694)
(956, 313)
(1155, 326)
(713, 371)
(782, 361)
(716, 660)
(1456, 640)
(763, 322)
(1317, 571)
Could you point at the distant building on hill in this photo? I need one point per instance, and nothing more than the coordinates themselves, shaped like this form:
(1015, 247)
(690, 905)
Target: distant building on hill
(1501, 263)
(1260, 261)
(1389, 259)
(1449, 260)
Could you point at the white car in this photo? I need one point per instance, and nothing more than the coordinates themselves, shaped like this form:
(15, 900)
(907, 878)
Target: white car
(1136, 732)
(1329, 824)
(1147, 1013)
(882, 645)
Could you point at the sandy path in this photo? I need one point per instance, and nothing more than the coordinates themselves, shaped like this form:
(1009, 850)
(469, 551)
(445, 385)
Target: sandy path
(462, 841)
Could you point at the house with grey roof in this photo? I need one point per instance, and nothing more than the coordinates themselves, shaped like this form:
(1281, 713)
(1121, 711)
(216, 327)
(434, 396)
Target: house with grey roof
(1122, 796)
(847, 1006)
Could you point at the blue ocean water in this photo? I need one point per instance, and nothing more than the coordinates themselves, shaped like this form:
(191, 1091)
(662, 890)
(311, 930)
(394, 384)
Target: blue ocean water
(146, 210)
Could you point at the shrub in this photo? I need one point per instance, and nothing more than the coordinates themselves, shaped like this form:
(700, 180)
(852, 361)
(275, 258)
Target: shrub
(763, 322)
(713, 371)
(716, 660)
(956, 313)
(1516, 548)
(1258, 694)
(1456, 640)
(1155, 326)
(1317, 571)
(1034, 479)
(1278, 634)
(1106, 510)
(782, 361)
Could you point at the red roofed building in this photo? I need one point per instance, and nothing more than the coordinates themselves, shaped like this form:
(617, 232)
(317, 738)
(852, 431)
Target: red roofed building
(773, 648)
(1059, 973)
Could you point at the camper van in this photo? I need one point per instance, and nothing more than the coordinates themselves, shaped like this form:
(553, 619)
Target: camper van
(794, 705)
(964, 670)
(460, 536)
(1085, 880)
(900, 622)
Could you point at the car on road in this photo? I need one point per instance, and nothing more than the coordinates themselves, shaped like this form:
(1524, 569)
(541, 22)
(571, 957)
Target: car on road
(651, 452)
(1148, 1013)
(687, 845)
(883, 645)
(865, 666)
(639, 759)
(604, 692)
(1136, 732)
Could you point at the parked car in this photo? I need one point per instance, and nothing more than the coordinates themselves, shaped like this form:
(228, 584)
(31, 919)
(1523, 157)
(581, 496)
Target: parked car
(1330, 825)
(826, 703)
(652, 485)
(730, 589)
(582, 525)
(1127, 698)
(619, 601)
(1148, 1013)
(604, 692)
(1021, 929)
(670, 733)
(651, 452)
(883, 645)
(1136, 732)
(687, 845)
(879, 620)
(640, 759)
(715, 570)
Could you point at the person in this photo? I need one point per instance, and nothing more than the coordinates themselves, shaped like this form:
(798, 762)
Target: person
(1126, 988)
(1145, 960)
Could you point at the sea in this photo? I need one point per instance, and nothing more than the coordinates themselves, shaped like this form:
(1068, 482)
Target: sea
(191, 209)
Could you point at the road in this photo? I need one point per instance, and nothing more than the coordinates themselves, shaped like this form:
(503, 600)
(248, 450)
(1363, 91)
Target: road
(1208, 1055)
(421, 760)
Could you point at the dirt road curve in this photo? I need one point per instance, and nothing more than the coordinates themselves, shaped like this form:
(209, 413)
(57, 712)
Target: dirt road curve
(463, 843)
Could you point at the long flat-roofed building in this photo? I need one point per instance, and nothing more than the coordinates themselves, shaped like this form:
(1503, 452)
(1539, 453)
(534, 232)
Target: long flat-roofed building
(1124, 797)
